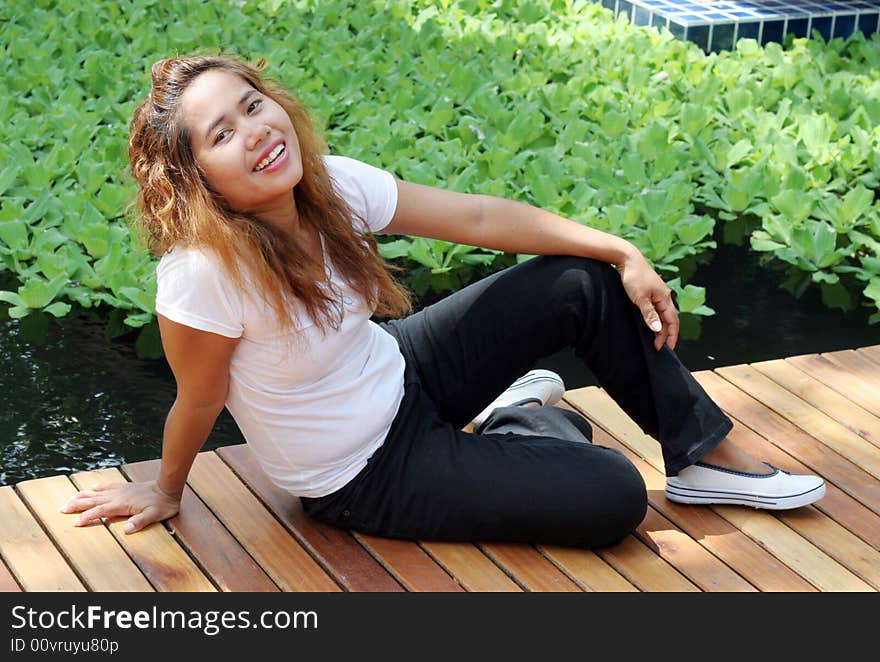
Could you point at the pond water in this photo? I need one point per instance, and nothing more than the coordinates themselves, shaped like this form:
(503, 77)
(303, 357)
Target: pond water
(72, 400)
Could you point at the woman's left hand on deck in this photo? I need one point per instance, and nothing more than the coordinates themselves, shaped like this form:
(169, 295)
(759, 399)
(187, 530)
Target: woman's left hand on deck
(145, 502)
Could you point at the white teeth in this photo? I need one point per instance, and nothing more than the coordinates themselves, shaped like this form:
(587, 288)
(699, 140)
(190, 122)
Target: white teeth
(274, 154)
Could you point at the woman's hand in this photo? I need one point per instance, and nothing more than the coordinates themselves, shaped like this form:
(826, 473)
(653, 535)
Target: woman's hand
(145, 502)
(648, 291)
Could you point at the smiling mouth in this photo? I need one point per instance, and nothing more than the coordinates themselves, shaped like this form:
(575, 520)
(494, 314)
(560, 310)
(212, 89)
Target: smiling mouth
(271, 158)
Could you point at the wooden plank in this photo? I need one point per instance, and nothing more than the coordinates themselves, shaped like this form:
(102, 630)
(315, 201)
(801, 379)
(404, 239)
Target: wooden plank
(687, 556)
(277, 552)
(848, 550)
(742, 554)
(864, 394)
(856, 363)
(799, 554)
(409, 564)
(843, 410)
(28, 552)
(529, 567)
(91, 550)
(632, 559)
(154, 551)
(227, 563)
(7, 581)
(816, 523)
(809, 419)
(470, 567)
(336, 550)
(587, 569)
(819, 458)
(872, 352)
(836, 504)
(856, 550)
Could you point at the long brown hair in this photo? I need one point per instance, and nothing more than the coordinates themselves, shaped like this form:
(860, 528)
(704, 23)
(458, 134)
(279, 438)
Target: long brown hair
(177, 205)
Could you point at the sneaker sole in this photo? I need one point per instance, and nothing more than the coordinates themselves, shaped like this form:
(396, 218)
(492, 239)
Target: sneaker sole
(523, 383)
(769, 502)
(539, 376)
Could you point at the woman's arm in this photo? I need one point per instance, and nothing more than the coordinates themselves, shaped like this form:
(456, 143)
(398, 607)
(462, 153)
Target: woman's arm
(498, 223)
(200, 363)
(514, 227)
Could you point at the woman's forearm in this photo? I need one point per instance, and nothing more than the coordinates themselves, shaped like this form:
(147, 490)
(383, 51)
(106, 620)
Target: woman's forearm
(186, 429)
(515, 227)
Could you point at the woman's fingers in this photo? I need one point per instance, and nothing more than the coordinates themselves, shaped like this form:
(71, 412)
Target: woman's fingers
(670, 327)
(90, 515)
(649, 313)
(95, 506)
(139, 521)
(78, 504)
(86, 498)
(80, 501)
(662, 318)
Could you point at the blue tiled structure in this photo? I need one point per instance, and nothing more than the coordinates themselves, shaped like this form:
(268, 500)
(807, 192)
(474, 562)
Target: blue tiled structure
(717, 24)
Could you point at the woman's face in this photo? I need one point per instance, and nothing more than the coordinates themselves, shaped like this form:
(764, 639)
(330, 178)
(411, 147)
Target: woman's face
(244, 142)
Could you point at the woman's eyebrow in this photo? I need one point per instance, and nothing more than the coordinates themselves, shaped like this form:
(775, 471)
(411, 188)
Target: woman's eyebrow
(222, 118)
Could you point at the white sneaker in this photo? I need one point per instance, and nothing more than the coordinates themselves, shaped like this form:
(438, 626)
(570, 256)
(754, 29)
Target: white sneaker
(780, 490)
(541, 386)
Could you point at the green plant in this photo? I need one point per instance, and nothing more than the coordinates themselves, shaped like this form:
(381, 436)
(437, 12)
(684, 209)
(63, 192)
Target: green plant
(550, 102)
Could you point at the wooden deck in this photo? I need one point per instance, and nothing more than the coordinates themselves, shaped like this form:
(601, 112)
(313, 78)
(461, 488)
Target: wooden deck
(236, 532)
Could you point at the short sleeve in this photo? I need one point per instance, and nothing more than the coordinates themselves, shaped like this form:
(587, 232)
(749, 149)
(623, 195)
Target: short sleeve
(371, 192)
(193, 289)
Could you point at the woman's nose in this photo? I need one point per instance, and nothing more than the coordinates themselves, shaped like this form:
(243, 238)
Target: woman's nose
(257, 135)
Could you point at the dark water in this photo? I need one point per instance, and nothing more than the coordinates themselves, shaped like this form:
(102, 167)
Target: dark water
(72, 400)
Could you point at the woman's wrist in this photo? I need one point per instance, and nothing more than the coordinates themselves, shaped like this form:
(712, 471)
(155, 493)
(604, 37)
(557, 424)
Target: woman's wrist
(171, 493)
(628, 252)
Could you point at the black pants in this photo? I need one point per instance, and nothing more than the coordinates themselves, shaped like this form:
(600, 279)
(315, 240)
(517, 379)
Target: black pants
(530, 475)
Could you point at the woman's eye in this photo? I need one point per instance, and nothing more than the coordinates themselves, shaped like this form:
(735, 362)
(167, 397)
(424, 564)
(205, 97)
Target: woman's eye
(253, 105)
(221, 135)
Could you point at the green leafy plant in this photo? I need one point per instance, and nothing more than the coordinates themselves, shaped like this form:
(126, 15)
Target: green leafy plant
(550, 102)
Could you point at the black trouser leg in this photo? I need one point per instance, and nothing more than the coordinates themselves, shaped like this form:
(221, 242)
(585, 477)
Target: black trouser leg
(470, 346)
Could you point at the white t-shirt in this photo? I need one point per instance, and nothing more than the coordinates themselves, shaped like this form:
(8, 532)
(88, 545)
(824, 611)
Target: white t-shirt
(313, 412)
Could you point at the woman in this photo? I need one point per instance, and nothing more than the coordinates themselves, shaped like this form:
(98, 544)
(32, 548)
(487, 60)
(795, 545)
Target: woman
(266, 286)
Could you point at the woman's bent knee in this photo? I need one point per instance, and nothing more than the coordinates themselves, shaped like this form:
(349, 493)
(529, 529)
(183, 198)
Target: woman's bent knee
(576, 283)
(569, 270)
(633, 495)
(626, 502)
